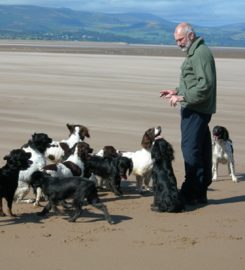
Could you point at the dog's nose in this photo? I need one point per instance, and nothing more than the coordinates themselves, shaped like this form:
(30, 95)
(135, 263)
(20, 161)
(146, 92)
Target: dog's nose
(158, 131)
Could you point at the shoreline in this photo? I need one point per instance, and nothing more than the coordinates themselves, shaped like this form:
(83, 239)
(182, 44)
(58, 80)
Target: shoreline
(107, 48)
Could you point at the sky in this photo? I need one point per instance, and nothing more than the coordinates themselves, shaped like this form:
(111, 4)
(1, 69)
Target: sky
(202, 13)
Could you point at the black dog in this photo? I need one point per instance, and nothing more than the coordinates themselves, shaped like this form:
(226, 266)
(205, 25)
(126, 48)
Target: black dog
(112, 170)
(58, 189)
(166, 195)
(17, 160)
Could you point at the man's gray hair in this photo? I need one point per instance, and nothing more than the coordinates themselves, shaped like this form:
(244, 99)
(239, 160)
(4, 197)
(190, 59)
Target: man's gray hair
(189, 29)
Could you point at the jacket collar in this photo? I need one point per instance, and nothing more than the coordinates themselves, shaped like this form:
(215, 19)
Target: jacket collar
(194, 45)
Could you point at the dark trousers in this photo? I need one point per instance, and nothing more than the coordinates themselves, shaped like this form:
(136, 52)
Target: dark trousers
(196, 147)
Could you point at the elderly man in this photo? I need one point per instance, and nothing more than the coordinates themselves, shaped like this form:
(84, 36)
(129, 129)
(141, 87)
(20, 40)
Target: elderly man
(196, 94)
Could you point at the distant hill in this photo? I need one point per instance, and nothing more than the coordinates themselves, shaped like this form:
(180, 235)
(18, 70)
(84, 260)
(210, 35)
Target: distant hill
(34, 22)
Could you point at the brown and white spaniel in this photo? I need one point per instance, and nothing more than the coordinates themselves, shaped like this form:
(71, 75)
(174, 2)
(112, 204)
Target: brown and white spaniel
(142, 161)
(59, 151)
(223, 152)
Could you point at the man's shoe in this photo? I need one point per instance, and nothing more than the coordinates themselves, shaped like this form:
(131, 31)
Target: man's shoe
(154, 208)
(190, 201)
(202, 200)
(187, 200)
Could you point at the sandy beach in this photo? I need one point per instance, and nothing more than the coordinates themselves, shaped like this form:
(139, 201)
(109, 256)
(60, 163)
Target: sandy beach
(117, 98)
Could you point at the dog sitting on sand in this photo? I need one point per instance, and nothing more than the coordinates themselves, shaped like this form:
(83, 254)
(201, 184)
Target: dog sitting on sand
(142, 161)
(165, 191)
(16, 160)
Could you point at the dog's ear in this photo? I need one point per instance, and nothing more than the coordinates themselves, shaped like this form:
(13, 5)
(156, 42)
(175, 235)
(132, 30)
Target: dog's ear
(119, 153)
(32, 139)
(70, 127)
(115, 161)
(226, 134)
(167, 150)
(162, 149)
(6, 157)
(156, 151)
(170, 151)
(84, 132)
(131, 165)
(146, 141)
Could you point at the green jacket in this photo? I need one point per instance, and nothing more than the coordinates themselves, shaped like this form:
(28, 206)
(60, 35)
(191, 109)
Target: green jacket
(198, 79)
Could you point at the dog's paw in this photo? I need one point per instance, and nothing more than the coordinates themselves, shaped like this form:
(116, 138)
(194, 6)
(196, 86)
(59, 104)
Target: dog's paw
(65, 205)
(72, 220)
(235, 180)
(41, 214)
(111, 222)
(141, 192)
(118, 193)
(29, 201)
(147, 188)
(215, 176)
(36, 204)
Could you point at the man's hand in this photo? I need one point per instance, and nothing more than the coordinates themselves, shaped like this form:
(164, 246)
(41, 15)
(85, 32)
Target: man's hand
(175, 99)
(167, 93)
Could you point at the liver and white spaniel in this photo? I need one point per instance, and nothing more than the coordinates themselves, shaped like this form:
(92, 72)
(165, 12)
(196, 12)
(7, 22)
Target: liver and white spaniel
(142, 161)
(59, 151)
(74, 165)
(223, 152)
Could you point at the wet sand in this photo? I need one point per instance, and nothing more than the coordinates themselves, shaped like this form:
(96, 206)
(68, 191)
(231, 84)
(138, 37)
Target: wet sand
(108, 48)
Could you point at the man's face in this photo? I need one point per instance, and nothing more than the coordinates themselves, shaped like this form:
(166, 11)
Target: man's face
(183, 41)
